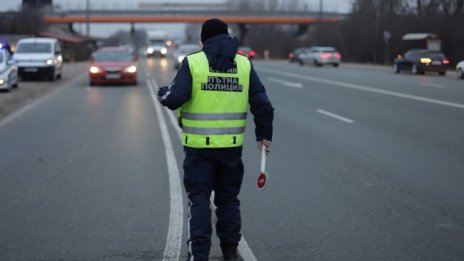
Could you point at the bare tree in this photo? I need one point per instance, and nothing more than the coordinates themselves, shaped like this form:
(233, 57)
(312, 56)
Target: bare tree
(435, 7)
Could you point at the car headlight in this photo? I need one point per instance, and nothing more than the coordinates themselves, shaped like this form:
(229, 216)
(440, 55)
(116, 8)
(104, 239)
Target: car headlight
(49, 62)
(131, 69)
(150, 50)
(164, 50)
(94, 69)
(2, 81)
(180, 59)
(425, 60)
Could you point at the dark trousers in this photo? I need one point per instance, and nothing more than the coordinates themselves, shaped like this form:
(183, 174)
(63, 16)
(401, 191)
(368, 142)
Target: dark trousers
(202, 175)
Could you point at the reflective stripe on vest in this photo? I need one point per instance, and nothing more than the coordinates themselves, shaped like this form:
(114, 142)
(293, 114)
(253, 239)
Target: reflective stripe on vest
(215, 116)
(213, 131)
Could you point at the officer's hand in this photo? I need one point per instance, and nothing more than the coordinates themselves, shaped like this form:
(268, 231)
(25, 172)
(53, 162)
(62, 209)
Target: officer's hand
(162, 92)
(267, 146)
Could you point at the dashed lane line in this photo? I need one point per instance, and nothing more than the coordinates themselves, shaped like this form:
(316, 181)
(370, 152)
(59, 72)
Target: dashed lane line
(365, 88)
(335, 116)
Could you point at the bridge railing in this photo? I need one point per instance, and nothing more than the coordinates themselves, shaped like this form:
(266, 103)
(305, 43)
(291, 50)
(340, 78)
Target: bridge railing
(215, 13)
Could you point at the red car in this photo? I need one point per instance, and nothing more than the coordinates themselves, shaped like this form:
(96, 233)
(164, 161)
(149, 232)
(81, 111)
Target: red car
(246, 51)
(113, 65)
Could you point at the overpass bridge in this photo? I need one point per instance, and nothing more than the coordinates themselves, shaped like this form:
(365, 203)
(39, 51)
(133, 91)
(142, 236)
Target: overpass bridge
(190, 16)
(188, 13)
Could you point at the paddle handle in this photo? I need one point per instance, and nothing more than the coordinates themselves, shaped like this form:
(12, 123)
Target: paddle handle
(263, 158)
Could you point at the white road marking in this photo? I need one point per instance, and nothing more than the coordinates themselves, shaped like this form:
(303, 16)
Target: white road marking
(335, 116)
(245, 250)
(367, 89)
(285, 83)
(432, 85)
(174, 237)
(28, 107)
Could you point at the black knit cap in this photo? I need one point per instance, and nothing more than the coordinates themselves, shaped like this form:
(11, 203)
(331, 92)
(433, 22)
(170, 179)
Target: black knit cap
(213, 27)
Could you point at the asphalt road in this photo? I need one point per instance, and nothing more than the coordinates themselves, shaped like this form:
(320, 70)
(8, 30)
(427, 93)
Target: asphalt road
(365, 165)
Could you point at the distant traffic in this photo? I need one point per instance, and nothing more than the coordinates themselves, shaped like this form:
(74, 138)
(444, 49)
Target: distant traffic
(42, 58)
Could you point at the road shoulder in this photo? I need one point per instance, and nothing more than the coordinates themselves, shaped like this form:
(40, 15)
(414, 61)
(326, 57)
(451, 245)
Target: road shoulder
(31, 90)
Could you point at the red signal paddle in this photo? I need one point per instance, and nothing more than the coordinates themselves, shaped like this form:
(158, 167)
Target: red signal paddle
(262, 176)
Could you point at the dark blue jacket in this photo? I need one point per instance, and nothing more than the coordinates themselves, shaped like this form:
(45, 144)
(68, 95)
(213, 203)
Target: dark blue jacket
(221, 51)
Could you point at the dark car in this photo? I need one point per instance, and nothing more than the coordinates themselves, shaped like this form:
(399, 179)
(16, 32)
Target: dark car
(246, 51)
(419, 61)
(295, 56)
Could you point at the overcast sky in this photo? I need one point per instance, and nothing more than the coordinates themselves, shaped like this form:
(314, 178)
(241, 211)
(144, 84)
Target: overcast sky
(105, 30)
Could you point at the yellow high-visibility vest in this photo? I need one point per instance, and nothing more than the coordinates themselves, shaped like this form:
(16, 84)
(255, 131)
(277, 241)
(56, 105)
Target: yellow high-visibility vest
(215, 116)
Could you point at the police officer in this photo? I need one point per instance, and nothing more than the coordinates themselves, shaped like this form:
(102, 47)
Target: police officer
(212, 91)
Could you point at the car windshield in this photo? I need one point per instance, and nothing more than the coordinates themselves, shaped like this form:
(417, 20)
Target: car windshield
(245, 49)
(327, 50)
(434, 55)
(116, 56)
(157, 42)
(34, 48)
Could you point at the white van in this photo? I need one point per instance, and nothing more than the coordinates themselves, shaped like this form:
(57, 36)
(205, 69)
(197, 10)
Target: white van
(156, 44)
(40, 56)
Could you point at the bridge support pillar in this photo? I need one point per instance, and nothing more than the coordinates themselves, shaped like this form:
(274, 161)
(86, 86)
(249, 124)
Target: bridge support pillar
(71, 28)
(243, 33)
(302, 29)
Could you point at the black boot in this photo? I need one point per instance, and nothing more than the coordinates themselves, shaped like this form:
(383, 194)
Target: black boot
(229, 251)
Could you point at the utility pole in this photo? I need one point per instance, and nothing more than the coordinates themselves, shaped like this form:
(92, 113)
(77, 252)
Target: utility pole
(320, 28)
(87, 16)
(386, 38)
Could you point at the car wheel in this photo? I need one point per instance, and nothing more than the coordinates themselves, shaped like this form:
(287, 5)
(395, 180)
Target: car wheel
(460, 73)
(9, 85)
(301, 63)
(396, 68)
(335, 64)
(58, 76)
(442, 73)
(15, 85)
(316, 63)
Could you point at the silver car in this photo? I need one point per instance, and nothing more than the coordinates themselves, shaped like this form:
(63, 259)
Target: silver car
(460, 69)
(182, 51)
(319, 56)
(8, 71)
